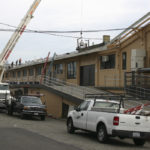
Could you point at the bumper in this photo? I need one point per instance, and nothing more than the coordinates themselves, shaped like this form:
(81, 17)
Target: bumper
(34, 113)
(131, 134)
(2, 105)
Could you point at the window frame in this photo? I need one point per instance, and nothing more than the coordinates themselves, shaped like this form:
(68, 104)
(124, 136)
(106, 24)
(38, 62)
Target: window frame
(110, 64)
(31, 71)
(59, 68)
(39, 70)
(85, 104)
(124, 61)
(18, 74)
(14, 74)
(24, 72)
(71, 70)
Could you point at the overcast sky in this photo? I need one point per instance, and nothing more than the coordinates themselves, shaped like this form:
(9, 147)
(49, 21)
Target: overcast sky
(65, 15)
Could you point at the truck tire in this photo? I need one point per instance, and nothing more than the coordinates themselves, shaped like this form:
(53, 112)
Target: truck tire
(43, 118)
(10, 110)
(22, 116)
(102, 133)
(70, 127)
(139, 142)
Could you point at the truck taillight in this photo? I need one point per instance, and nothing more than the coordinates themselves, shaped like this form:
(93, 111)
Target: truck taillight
(116, 121)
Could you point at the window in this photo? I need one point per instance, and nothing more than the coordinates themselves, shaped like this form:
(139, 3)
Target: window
(106, 105)
(14, 74)
(31, 72)
(6, 75)
(59, 68)
(38, 70)
(108, 62)
(124, 60)
(24, 72)
(71, 70)
(18, 74)
(84, 105)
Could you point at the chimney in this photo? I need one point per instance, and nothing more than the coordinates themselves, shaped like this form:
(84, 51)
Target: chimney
(106, 39)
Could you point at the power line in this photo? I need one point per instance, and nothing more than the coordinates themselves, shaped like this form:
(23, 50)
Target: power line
(48, 33)
(60, 33)
(70, 31)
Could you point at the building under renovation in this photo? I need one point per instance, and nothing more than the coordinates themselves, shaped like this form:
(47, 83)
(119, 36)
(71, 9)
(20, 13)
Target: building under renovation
(89, 69)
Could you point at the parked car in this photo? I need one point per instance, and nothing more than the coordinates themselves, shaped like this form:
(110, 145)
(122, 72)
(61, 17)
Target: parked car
(107, 118)
(27, 106)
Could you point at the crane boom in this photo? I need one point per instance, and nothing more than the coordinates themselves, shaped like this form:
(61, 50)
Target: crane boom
(15, 36)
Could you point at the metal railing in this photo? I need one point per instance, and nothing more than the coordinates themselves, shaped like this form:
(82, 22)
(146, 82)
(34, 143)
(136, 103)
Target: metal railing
(137, 85)
(69, 88)
(138, 92)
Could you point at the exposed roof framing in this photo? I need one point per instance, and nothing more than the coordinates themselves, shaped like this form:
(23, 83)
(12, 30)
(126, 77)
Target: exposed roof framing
(131, 30)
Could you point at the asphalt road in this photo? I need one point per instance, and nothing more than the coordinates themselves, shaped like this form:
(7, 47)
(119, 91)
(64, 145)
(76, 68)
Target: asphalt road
(21, 139)
(17, 134)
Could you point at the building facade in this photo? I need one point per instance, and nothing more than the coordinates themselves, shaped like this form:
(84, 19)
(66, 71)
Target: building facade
(101, 66)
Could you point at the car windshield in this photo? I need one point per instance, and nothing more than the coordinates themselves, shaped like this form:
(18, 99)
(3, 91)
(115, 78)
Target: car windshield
(31, 100)
(4, 87)
(106, 105)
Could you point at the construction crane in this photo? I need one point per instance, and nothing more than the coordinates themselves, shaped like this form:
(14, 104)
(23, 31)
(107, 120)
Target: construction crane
(4, 87)
(15, 37)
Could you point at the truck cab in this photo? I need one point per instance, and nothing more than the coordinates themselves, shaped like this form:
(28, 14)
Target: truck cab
(4, 94)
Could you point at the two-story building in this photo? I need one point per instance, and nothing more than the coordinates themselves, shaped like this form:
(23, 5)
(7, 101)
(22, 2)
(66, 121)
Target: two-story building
(101, 66)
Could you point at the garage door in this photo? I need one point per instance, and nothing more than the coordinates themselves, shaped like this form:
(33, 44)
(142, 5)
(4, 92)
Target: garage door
(87, 75)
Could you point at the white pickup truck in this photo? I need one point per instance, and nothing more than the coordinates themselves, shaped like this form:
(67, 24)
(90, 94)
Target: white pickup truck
(107, 118)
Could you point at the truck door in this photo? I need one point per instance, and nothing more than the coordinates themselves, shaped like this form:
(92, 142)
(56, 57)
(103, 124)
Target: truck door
(81, 115)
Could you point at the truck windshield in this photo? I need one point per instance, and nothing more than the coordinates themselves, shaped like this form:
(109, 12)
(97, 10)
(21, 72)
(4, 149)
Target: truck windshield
(106, 105)
(31, 100)
(4, 87)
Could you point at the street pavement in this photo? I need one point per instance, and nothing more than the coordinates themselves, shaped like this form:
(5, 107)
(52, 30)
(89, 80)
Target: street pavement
(21, 139)
(34, 134)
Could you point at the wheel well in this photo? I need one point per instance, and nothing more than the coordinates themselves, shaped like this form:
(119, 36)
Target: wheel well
(69, 119)
(100, 123)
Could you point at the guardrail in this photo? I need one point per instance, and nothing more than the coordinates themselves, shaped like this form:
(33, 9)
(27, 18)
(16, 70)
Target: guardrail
(69, 88)
(137, 85)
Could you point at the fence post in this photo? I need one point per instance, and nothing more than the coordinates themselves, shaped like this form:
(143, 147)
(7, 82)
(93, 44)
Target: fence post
(125, 82)
(133, 78)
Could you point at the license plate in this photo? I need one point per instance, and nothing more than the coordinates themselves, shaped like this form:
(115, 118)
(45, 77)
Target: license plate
(36, 114)
(136, 134)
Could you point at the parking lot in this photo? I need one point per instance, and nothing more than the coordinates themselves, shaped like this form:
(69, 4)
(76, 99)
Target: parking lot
(55, 133)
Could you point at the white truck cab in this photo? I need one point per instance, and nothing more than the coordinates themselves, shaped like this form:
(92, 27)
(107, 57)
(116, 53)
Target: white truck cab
(107, 118)
(4, 94)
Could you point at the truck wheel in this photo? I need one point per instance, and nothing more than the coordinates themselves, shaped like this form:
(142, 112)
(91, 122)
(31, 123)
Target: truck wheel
(42, 117)
(70, 127)
(10, 111)
(22, 116)
(139, 142)
(102, 133)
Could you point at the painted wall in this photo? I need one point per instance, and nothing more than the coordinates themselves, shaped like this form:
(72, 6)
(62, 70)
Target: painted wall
(52, 101)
